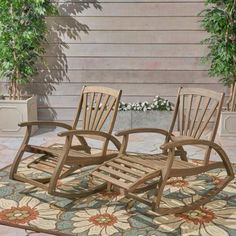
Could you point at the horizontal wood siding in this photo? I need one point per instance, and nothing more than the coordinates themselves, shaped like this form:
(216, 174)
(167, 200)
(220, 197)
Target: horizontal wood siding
(144, 47)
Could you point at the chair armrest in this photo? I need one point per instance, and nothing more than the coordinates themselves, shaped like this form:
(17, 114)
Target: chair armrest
(47, 123)
(219, 150)
(192, 142)
(142, 130)
(109, 137)
(126, 133)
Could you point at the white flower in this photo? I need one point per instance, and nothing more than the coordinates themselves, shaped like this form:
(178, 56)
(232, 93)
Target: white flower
(104, 221)
(206, 220)
(186, 186)
(28, 211)
(3, 184)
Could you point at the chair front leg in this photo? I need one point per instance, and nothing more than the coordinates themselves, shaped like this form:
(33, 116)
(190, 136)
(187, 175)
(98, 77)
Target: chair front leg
(164, 178)
(84, 144)
(20, 153)
(57, 172)
(182, 153)
(124, 144)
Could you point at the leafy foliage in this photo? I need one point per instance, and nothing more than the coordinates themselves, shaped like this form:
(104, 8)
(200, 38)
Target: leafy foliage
(219, 20)
(158, 104)
(22, 34)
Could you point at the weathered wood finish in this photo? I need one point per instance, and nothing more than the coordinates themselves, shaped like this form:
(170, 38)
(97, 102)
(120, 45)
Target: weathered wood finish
(194, 109)
(95, 106)
(129, 172)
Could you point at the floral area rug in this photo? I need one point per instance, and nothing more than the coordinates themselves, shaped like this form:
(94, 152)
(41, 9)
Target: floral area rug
(106, 213)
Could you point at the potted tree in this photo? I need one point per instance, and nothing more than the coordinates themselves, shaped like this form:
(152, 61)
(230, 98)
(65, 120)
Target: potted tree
(22, 34)
(219, 20)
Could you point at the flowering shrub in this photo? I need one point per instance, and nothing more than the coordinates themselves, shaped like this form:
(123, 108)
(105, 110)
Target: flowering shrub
(158, 104)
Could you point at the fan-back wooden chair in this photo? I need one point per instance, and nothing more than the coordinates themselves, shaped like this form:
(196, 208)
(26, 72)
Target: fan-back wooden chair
(195, 109)
(97, 105)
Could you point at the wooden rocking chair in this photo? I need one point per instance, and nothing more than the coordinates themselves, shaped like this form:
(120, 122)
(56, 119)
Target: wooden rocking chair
(195, 109)
(97, 105)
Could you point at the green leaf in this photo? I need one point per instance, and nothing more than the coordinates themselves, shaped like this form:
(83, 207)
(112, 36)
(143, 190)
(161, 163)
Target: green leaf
(219, 20)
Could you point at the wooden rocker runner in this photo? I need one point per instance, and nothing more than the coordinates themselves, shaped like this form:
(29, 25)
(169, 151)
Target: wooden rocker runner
(97, 105)
(195, 110)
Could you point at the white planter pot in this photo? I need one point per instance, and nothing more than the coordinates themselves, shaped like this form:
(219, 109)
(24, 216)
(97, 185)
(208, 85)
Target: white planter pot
(12, 112)
(123, 121)
(227, 125)
(151, 119)
(142, 119)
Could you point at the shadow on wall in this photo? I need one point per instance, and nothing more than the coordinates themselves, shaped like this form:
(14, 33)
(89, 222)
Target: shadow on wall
(54, 71)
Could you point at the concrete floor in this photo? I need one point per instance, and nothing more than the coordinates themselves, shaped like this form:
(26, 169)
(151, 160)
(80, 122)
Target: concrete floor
(138, 143)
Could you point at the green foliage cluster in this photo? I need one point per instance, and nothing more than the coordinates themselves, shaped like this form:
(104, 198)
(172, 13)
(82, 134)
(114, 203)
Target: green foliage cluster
(219, 20)
(22, 34)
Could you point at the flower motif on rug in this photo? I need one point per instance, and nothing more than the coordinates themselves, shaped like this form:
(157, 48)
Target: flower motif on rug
(111, 196)
(103, 221)
(28, 211)
(218, 178)
(211, 219)
(186, 186)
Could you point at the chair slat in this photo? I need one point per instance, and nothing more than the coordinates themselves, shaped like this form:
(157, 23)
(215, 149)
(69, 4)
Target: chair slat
(101, 111)
(106, 113)
(197, 103)
(85, 100)
(181, 114)
(137, 160)
(111, 180)
(207, 119)
(118, 174)
(233, 103)
(90, 109)
(98, 102)
(189, 99)
(204, 107)
(127, 163)
(123, 168)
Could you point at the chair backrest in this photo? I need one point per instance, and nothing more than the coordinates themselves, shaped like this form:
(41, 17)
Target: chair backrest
(195, 109)
(96, 106)
(232, 100)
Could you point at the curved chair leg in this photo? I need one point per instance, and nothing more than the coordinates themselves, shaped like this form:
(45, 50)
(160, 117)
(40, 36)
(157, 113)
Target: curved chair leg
(52, 188)
(203, 199)
(20, 153)
(61, 161)
(225, 159)
(164, 178)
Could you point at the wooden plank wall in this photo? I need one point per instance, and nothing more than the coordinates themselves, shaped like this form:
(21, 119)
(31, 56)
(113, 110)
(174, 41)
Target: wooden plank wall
(144, 47)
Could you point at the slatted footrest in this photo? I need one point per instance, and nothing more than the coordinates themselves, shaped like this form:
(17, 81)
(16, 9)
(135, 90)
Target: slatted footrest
(124, 171)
